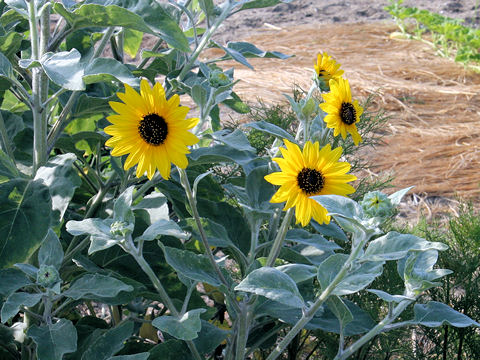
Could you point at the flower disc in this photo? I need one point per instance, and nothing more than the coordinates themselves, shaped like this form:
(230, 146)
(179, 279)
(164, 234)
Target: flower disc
(308, 173)
(151, 129)
(343, 114)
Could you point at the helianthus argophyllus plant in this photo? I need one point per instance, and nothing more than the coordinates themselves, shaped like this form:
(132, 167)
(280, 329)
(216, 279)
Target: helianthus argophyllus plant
(151, 129)
(312, 172)
(343, 113)
(326, 69)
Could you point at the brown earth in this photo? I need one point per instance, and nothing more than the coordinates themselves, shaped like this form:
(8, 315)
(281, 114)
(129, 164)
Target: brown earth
(433, 103)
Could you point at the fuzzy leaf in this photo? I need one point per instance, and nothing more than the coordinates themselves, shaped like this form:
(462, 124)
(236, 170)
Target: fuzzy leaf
(273, 284)
(53, 341)
(184, 328)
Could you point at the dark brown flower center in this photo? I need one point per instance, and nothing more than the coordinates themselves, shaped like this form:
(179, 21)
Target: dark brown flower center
(153, 129)
(348, 113)
(311, 181)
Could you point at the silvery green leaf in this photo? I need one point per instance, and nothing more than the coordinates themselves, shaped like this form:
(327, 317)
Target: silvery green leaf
(396, 197)
(417, 271)
(8, 170)
(389, 298)
(109, 343)
(12, 280)
(323, 319)
(92, 286)
(62, 180)
(162, 227)
(220, 154)
(194, 266)
(436, 314)
(302, 236)
(185, 327)
(138, 356)
(6, 69)
(51, 251)
(26, 213)
(314, 255)
(394, 246)
(54, 340)
(90, 226)
(249, 50)
(271, 129)
(272, 284)
(106, 69)
(65, 69)
(199, 95)
(156, 206)
(331, 229)
(235, 139)
(358, 277)
(341, 311)
(13, 303)
(217, 235)
(340, 205)
(122, 207)
(298, 272)
(27, 269)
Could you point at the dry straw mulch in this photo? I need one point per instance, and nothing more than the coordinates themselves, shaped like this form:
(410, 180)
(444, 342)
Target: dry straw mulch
(432, 138)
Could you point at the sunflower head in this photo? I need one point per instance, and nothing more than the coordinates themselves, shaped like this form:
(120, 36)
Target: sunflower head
(326, 69)
(342, 112)
(152, 130)
(304, 174)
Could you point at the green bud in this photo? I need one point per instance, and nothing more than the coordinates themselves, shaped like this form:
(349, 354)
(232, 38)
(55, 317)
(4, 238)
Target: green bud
(47, 276)
(321, 83)
(120, 228)
(377, 204)
(218, 78)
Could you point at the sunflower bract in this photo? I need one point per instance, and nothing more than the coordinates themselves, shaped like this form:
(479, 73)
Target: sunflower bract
(343, 113)
(312, 172)
(152, 130)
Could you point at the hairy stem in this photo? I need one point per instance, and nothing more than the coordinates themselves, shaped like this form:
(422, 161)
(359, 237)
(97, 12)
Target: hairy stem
(310, 313)
(280, 238)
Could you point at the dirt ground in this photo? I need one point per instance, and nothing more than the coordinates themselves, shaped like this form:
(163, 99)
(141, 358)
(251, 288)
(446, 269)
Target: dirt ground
(433, 103)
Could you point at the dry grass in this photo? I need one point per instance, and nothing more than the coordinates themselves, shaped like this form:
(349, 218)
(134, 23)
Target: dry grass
(433, 133)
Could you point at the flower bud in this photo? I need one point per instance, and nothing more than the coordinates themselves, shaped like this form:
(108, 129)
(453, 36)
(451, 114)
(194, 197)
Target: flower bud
(218, 78)
(120, 228)
(377, 204)
(47, 276)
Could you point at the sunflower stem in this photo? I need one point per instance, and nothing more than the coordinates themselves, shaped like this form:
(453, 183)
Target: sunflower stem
(280, 238)
(130, 248)
(310, 313)
(62, 119)
(203, 42)
(193, 204)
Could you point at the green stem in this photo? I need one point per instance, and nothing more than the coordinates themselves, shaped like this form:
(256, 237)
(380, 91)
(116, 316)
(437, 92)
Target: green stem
(5, 140)
(244, 319)
(196, 216)
(280, 238)
(204, 41)
(374, 331)
(130, 248)
(39, 139)
(310, 313)
(61, 121)
(253, 241)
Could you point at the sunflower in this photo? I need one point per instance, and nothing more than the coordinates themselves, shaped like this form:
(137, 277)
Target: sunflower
(313, 172)
(326, 69)
(151, 129)
(343, 114)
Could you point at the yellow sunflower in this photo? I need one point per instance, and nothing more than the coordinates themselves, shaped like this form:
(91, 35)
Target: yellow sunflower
(343, 114)
(313, 172)
(326, 69)
(151, 129)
